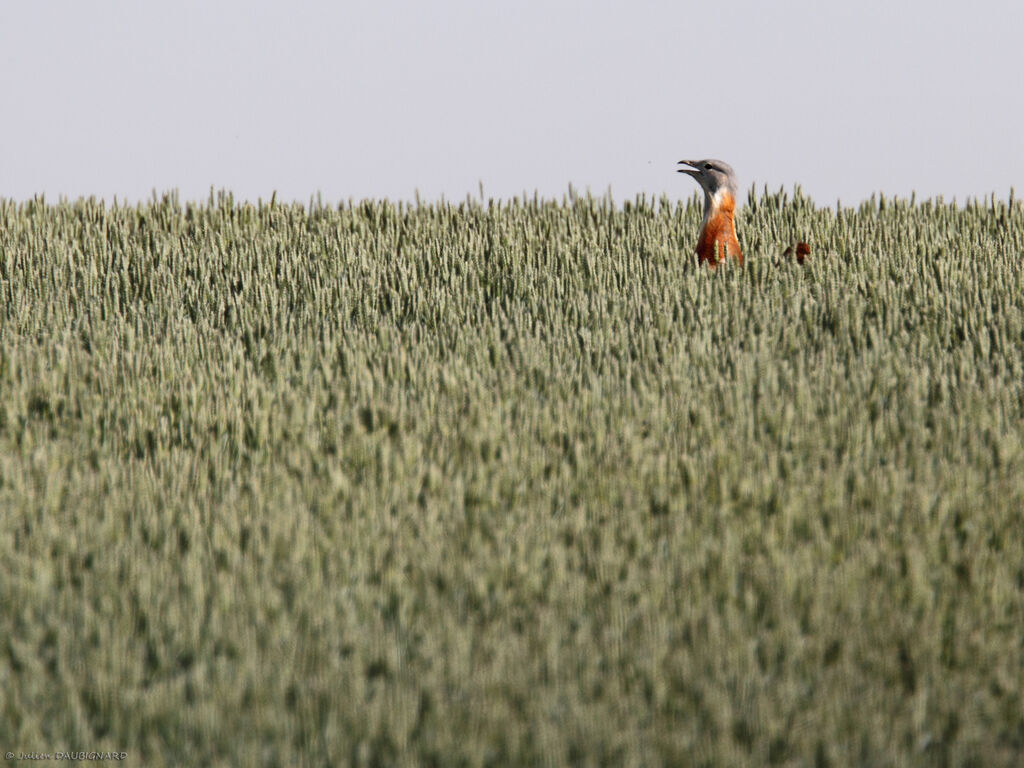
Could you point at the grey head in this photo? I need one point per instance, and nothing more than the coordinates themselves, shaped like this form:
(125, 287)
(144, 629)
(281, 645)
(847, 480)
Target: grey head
(712, 175)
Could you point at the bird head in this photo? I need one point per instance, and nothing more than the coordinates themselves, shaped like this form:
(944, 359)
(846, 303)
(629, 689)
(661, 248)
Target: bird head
(714, 176)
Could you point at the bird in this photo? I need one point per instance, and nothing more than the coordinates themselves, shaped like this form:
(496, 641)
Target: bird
(803, 250)
(717, 240)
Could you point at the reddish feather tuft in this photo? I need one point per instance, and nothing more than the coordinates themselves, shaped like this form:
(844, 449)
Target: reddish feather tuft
(803, 250)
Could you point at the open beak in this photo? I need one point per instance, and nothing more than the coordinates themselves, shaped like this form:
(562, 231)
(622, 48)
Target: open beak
(692, 170)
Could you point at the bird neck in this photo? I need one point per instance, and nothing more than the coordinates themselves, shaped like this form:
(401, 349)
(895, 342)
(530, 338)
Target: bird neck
(718, 234)
(722, 203)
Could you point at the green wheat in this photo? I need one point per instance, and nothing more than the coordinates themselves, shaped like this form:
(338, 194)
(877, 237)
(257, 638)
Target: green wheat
(512, 483)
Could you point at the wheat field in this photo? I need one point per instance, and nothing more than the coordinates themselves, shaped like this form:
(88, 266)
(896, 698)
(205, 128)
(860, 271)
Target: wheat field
(512, 482)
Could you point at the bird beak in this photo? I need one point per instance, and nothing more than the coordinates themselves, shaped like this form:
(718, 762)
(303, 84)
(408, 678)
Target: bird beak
(692, 170)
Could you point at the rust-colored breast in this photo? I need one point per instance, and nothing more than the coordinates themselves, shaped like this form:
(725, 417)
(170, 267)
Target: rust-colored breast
(718, 237)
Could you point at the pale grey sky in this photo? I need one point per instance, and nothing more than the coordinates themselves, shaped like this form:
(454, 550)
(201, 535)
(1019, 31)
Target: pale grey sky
(385, 97)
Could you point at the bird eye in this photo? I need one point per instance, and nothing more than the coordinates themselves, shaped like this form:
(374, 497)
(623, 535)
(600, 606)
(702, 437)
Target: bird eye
(707, 166)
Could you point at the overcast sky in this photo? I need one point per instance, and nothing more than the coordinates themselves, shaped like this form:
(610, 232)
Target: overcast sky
(386, 97)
